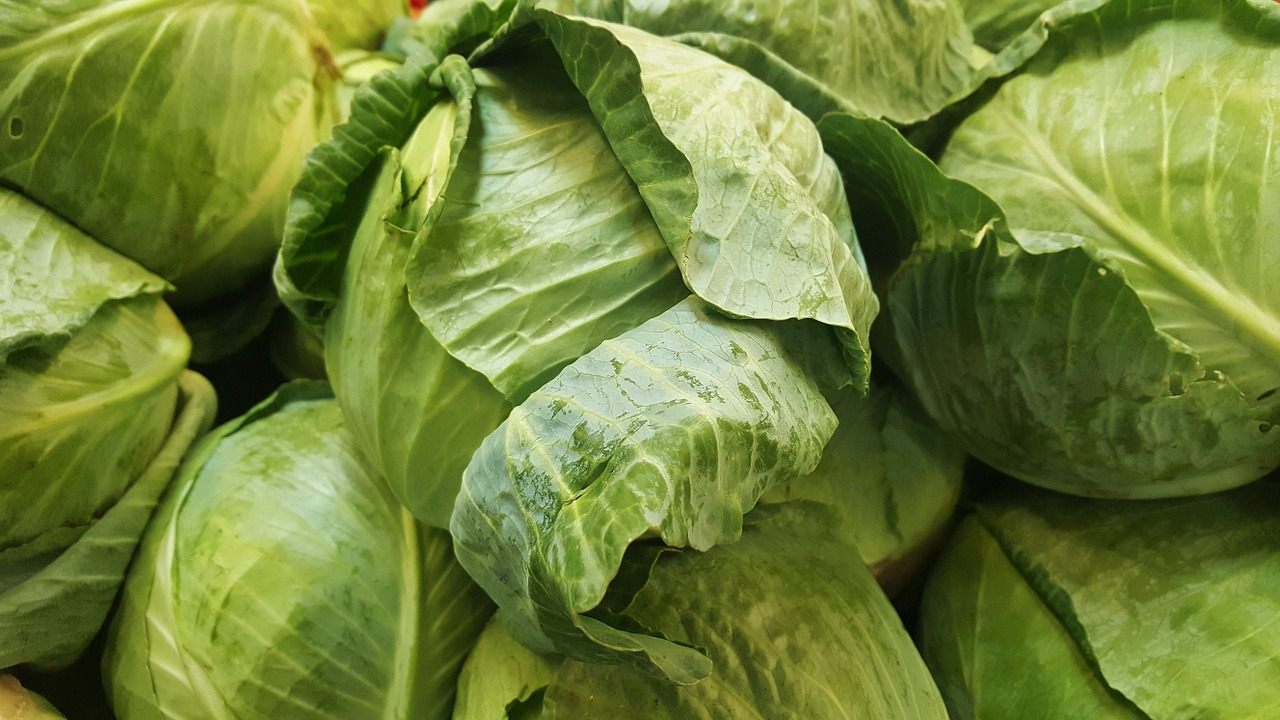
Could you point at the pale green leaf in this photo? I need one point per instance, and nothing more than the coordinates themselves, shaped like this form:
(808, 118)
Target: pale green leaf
(356, 23)
(1168, 179)
(1040, 347)
(501, 677)
(673, 430)
(736, 179)
(891, 478)
(795, 624)
(902, 61)
(53, 603)
(995, 23)
(53, 278)
(542, 247)
(79, 421)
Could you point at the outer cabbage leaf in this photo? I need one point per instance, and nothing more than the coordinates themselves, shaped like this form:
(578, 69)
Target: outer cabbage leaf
(1170, 182)
(1170, 603)
(89, 364)
(996, 649)
(736, 179)
(138, 122)
(671, 430)
(54, 277)
(892, 479)
(416, 412)
(354, 216)
(1046, 348)
(1050, 370)
(838, 646)
(80, 421)
(322, 219)
(996, 23)
(502, 679)
(793, 620)
(281, 579)
(352, 223)
(902, 61)
(541, 247)
(55, 592)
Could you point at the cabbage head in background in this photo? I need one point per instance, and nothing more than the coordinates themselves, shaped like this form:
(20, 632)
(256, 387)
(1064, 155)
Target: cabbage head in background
(169, 131)
(1086, 294)
(280, 579)
(1055, 607)
(95, 413)
(792, 619)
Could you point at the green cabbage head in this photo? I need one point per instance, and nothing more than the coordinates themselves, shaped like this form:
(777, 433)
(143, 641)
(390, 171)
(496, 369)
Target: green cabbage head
(170, 131)
(1086, 295)
(476, 226)
(95, 412)
(279, 579)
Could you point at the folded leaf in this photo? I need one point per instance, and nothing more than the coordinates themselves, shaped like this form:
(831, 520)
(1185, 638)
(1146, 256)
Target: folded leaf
(736, 179)
(795, 624)
(1105, 328)
(52, 604)
(317, 238)
(672, 430)
(541, 247)
(1168, 181)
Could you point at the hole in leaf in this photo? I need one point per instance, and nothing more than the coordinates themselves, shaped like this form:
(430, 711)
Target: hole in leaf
(16, 127)
(1268, 394)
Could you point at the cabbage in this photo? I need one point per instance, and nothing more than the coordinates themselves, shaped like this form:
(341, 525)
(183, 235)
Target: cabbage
(169, 131)
(95, 412)
(281, 579)
(1083, 295)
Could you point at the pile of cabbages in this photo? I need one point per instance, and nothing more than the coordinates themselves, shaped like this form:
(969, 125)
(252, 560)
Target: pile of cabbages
(640, 359)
